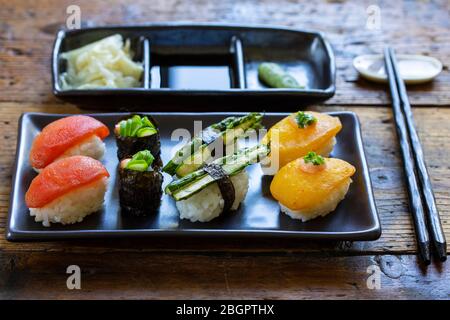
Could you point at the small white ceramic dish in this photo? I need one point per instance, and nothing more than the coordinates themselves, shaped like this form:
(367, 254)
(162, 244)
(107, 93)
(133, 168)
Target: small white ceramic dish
(414, 69)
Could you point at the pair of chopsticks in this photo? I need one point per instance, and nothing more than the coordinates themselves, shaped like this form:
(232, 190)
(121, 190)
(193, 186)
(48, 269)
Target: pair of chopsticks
(421, 198)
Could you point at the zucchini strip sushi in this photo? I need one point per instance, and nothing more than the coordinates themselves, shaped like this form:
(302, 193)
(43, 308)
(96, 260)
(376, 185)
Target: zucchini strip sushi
(294, 136)
(217, 187)
(137, 133)
(200, 149)
(140, 184)
(311, 186)
(69, 136)
(67, 190)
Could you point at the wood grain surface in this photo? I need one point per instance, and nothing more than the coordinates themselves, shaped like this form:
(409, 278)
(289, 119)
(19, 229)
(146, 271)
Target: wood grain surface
(228, 276)
(420, 27)
(231, 268)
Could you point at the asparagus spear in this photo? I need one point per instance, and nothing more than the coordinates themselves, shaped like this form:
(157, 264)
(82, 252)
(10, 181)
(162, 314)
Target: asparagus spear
(228, 129)
(178, 184)
(194, 182)
(235, 127)
(187, 150)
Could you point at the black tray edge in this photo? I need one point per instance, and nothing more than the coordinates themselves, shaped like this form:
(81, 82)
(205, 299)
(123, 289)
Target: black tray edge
(10, 233)
(370, 234)
(377, 229)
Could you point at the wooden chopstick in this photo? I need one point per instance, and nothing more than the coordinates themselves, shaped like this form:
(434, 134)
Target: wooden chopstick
(434, 222)
(415, 199)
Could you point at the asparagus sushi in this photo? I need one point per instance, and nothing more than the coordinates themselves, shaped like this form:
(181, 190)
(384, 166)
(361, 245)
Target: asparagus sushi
(311, 186)
(67, 190)
(294, 136)
(217, 187)
(202, 148)
(69, 136)
(137, 133)
(140, 184)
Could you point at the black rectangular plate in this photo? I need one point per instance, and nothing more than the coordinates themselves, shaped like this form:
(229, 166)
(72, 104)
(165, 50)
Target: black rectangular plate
(219, 61)
(355, 218)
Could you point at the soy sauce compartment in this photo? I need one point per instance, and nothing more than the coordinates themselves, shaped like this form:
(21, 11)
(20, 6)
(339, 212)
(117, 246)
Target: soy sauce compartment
(183, 71)
(69, 41)
(204, 68)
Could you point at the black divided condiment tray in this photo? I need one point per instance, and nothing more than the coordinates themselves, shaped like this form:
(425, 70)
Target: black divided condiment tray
(206, 67)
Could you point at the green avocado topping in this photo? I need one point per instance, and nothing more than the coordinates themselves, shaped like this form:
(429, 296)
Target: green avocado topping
(136, 127)
(141, 161)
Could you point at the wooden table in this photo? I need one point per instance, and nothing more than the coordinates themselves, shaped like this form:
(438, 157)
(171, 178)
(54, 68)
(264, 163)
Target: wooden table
(233, 268)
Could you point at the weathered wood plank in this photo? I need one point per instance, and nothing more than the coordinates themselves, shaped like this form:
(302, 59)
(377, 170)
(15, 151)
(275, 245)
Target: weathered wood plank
(28, 29)
(229, 276)
(232, 268)
(386, 172)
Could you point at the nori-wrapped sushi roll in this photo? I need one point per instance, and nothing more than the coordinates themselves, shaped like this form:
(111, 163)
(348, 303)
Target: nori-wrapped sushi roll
(140, 185)
(138, 133)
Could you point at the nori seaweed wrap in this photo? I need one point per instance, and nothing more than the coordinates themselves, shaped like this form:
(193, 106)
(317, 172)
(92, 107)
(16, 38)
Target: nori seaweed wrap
(140, 185)
(136, 133)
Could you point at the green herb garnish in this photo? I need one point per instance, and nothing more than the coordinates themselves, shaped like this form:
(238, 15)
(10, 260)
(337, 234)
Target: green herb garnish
(136, 127)
(304, 119)
(314, 158)
(141, 161)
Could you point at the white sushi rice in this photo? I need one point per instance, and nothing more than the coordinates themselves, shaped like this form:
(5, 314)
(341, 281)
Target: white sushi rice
(326, 148)
(321, 209)
(208, 203)
(73, 206)
(92, 147)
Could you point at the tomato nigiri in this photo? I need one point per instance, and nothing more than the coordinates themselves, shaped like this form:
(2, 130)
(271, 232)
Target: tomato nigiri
(69, 136)
(67, 190)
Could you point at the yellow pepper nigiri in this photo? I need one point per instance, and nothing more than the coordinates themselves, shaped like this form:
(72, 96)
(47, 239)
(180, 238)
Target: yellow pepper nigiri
(301, 132)
(306, 189)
